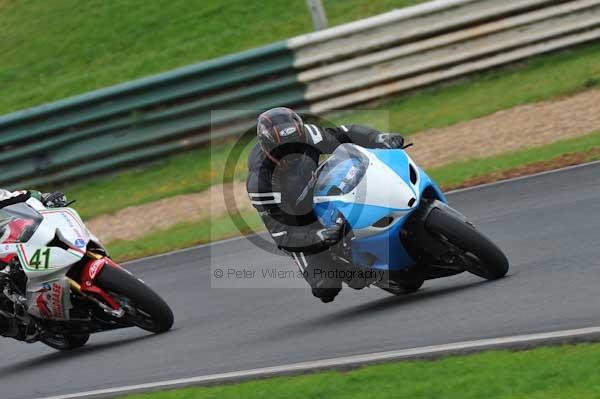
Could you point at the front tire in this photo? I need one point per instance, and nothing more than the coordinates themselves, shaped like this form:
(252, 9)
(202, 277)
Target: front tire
(151, 312)
(483, 257)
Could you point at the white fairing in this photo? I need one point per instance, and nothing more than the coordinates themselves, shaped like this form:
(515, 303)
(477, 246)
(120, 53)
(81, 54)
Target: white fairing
(382, 187)
(46, 267)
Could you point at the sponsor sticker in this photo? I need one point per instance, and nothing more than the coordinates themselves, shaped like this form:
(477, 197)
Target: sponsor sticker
(42, 300)
(79, 243)
(352, 172)
(68, 219)
(287, 131)
(95, 268)
(57, 306)
(51, 302)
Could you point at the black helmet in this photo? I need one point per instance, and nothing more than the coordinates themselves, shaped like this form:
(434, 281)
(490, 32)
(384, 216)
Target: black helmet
(278, 127)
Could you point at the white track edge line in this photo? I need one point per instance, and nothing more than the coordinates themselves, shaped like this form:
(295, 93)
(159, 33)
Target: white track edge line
(345, 361)
(479, 186)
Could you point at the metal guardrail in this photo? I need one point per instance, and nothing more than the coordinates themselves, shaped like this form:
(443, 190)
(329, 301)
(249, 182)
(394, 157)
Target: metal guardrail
(323, 71)
(470, 40)
(142, 119)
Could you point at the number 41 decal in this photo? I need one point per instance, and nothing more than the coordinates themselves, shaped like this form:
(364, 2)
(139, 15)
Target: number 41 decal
(36, 259)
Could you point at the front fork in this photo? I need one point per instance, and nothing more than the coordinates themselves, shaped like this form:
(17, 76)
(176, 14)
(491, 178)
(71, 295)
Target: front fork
(88, 288)
(418, 241)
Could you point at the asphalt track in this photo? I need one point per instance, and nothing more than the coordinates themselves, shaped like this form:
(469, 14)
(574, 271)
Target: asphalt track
(548, 225)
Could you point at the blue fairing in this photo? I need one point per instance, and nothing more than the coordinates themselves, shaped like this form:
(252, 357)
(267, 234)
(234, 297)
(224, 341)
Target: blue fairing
(383, 250)
(358, 216)
(427, 183)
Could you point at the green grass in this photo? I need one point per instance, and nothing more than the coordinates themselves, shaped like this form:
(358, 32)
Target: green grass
(540, 78)
(189, 172)
(203, 231)
(544, 373)
(456, 173)
(54, 49)
(183, 235)
(537, 79)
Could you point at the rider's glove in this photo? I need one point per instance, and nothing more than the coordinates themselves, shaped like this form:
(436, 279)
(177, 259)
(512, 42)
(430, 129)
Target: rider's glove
(390, 140)
(54, 200)
(330, 235)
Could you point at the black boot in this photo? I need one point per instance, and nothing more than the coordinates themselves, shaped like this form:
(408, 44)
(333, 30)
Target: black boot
(327, 290)
(8, 328)
(4, 325)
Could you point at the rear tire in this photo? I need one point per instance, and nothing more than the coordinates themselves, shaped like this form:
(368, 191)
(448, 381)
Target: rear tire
(64, 342)
(159, 315)
(492, 262)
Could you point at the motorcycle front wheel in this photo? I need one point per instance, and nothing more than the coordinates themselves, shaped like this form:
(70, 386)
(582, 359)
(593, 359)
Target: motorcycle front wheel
(144, 307)
(480, 255)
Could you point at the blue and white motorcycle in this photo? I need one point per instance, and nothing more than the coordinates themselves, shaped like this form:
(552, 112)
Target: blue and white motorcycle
(397, 223)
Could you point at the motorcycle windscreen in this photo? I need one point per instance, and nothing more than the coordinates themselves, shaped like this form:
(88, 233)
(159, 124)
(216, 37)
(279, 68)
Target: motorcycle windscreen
(342, 172)
(365, 186)
(18, 223)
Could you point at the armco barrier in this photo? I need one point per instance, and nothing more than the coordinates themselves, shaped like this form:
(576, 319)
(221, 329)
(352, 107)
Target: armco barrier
(323, 71)
(351, 76)
(142, 119)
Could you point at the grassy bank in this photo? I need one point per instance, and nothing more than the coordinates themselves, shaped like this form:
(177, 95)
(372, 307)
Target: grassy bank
(449, 176)
(55, 49)
(550, 373)
(186, 173)
(183, 235)
(455, 174)
(538, 79)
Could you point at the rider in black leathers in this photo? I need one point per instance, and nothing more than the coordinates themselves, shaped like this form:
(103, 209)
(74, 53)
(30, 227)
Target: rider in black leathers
(280, 167)
(8, 327)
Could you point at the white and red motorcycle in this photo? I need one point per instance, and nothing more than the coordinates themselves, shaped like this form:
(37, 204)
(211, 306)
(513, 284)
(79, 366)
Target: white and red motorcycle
(58, 284)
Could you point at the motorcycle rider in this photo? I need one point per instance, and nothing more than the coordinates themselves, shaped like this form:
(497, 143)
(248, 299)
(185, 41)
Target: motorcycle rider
(50, 200)
(280, 167)
(8, 327)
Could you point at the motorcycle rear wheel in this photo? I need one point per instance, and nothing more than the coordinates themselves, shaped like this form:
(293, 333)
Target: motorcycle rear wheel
(65, 342)
(152, 312)
(485, 259)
